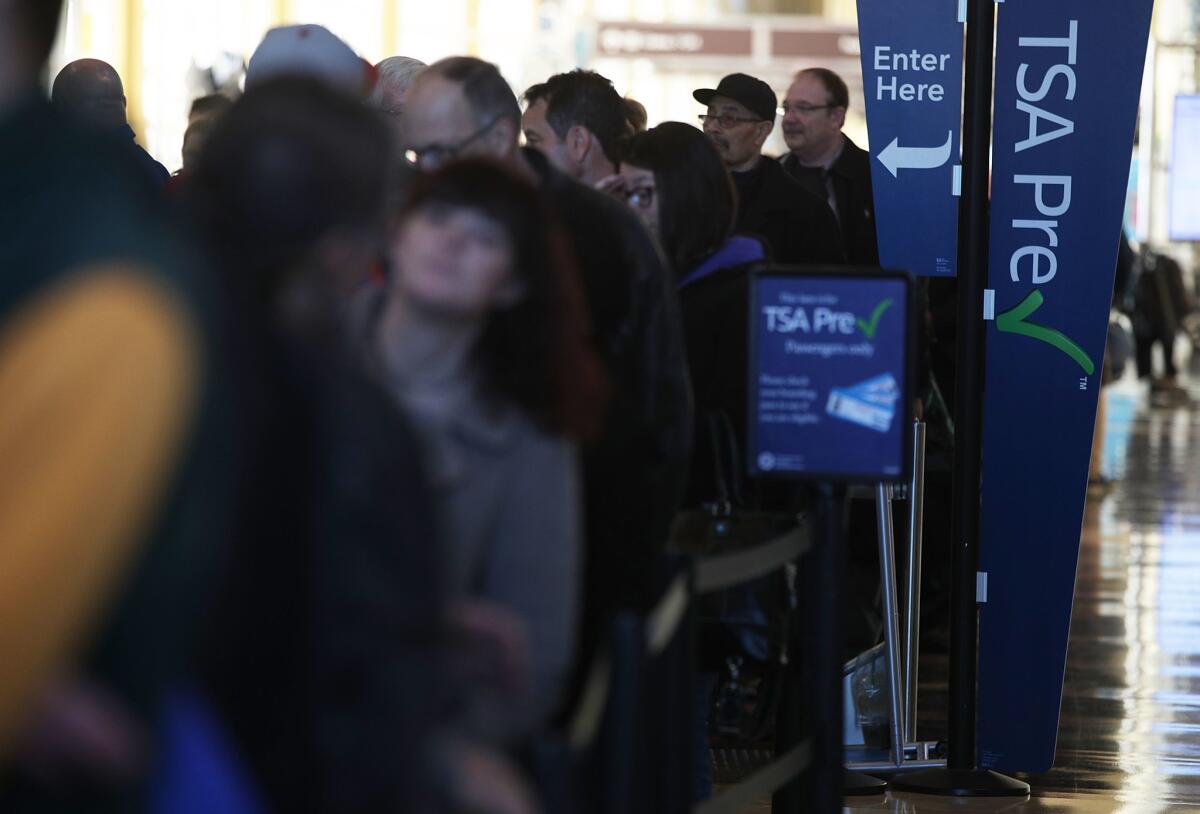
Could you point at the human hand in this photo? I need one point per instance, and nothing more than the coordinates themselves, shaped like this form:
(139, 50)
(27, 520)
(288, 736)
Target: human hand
(80, 732)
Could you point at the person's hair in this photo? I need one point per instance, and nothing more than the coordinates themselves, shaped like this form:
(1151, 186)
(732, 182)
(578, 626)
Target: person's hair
(395, 72)
(485, 90)
(697, 200)
(635, 114)
(217, 103)
(292, 163)
(835, 87)
(536, 352)
(588, 99)
(40, 19)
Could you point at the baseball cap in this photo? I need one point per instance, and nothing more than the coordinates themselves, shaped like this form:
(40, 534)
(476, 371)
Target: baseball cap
(755, 94)
(310, 50)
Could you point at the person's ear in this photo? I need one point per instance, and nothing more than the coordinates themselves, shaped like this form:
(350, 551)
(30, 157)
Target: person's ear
(838, 114)
(762, 132)
(503, 137)
(578, 142)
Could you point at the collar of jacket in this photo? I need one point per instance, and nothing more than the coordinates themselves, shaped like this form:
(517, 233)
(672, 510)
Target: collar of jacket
(739, 250)
(849, 163)
(777, 190)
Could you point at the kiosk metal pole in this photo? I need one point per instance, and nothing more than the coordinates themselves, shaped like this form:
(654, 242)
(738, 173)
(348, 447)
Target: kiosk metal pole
(912, 590)
(961, 777)
(891, 622)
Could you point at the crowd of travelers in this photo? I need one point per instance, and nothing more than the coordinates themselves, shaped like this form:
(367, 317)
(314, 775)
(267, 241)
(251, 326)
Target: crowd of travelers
(327, 459)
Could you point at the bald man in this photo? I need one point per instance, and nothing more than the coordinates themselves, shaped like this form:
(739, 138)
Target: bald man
(90, 91)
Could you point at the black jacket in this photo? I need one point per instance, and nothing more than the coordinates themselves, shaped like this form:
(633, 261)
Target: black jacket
(798, 227)
(851, 177)
(322, 649)
(716, 324)
(635, 474)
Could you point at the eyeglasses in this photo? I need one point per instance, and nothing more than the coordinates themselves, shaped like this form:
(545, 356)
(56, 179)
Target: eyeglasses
(803, 108)
(432, 156)
(727, 120)
(642, 197)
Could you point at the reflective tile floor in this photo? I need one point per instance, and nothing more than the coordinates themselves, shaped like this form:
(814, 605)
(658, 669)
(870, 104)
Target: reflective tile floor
(1129, 737)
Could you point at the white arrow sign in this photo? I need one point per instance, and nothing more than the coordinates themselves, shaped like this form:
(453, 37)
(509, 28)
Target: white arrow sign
(896, 158)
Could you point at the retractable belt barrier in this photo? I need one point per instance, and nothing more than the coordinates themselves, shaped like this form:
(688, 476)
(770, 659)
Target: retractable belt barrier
(727, 570)
(765, 781)
(712, 574)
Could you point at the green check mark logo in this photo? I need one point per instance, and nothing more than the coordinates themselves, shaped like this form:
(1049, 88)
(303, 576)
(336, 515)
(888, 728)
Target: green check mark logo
(1014, 322)
(869, 327)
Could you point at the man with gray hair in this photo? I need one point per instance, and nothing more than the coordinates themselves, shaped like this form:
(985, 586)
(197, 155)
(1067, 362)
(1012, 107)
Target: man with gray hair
(394, 76)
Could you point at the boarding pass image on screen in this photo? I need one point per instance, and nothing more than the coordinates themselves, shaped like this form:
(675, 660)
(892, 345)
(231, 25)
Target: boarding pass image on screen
(870, 404)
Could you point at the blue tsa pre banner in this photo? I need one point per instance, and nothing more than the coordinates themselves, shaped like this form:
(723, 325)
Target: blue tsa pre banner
(912, 61)
(1068, 79)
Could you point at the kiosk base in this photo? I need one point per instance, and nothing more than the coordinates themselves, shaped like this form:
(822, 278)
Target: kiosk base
(959, 783)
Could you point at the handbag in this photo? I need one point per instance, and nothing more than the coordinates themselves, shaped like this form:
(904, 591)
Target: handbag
(743, 630)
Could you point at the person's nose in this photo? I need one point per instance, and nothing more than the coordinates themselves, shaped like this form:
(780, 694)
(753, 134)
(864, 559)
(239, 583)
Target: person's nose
(711, 124)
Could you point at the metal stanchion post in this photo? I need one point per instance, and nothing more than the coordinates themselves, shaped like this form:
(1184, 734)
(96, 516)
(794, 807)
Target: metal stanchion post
(912, 592)
(891, 621)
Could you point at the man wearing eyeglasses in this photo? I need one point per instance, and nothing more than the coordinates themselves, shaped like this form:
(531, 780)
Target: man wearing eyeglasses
(826, 162)
(798, 226)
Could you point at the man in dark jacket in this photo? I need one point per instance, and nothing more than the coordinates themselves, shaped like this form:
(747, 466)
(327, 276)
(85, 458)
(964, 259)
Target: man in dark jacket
(797, 225)
(90, 91)
(826, 162)
(635, 473)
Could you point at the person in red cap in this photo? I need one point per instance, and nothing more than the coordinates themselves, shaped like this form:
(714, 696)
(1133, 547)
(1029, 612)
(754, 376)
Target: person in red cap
(313, 51)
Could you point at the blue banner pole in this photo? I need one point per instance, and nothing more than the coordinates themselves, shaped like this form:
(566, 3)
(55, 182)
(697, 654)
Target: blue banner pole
(962, 777)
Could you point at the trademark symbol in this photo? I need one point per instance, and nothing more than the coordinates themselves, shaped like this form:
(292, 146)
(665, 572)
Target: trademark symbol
(1083, 383)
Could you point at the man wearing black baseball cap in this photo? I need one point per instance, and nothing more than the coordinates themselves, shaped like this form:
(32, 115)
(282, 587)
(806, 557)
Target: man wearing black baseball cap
(797, 226)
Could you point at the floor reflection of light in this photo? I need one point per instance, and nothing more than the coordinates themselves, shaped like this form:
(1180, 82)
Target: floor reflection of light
(1161, 597)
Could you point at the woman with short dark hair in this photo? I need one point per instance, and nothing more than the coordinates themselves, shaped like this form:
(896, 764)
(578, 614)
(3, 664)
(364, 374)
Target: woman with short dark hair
(479, 335)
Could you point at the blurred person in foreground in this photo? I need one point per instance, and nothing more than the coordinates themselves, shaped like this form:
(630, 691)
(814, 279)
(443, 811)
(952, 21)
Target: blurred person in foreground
(480, 335)
(325, 647)
(113, 480)
(634, 472)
